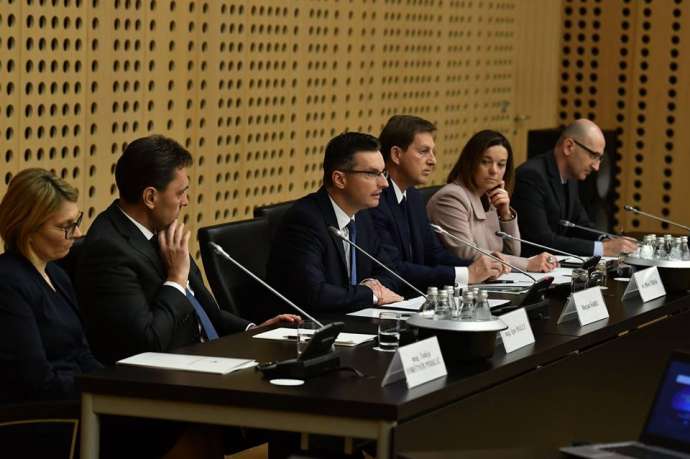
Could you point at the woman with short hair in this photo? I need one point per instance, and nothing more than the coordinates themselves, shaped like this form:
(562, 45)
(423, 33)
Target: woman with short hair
(475, 203)
(42, 343)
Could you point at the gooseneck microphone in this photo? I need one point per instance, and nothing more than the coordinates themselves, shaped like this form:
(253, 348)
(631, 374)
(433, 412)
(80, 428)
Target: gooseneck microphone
(586, 264)
(440, 230)
(569, 224)
(219, 250)
(639, 212)
(339, 234)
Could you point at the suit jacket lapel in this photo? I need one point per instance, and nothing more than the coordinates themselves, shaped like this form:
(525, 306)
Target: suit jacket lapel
(134, 237)
(326, 210)
(399, 219)
(555, 182)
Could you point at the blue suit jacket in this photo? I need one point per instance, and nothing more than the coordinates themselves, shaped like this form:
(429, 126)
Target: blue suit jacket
(307, 262)
(42, 344)
(420, 257)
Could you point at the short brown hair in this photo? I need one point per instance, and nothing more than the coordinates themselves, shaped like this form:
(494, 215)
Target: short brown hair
(471, 154)
(400, 130)
(32, 196)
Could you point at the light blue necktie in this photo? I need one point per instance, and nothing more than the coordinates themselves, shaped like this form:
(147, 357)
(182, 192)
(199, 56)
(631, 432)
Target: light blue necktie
(353, 252)
(206, 325)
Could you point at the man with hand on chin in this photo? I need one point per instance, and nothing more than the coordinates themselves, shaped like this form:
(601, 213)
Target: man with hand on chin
(312, 266)
(407, 144)
(139, 288)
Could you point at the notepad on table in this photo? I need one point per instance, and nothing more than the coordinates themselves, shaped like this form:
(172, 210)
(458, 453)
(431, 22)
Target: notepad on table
(198, 363)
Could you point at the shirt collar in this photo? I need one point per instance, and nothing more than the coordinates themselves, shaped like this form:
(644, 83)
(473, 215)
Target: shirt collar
(144, 230)
(340, 215)
(399, 195)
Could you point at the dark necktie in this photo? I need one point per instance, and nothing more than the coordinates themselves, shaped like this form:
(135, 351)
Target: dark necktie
(405, 225)
(352, 229)
(206, 325)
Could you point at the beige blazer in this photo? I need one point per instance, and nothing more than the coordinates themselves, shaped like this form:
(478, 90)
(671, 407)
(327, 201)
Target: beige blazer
(461, 213)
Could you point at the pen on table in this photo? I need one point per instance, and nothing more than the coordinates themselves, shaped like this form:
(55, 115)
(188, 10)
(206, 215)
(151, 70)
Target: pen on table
(500, 282)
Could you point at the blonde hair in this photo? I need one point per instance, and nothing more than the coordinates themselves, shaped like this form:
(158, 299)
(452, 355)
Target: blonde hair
(33, 195)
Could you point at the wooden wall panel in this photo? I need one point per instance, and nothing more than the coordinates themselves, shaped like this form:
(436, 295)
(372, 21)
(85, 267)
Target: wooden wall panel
(622, 66)
(255, 89)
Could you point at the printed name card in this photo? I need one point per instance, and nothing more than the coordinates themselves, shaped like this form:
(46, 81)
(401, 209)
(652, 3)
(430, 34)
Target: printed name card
(646, 283)
(519, 332)
(588, 305)
(418, 363)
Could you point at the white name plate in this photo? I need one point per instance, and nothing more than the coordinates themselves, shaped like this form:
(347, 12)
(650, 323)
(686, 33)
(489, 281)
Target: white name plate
(588, 305)
(646, 283)
(519, 332)
(418, 363)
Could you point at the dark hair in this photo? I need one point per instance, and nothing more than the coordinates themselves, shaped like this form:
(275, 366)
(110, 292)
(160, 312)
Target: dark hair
(341, 150)
(400, 130)
(471, 154)
(149, 161)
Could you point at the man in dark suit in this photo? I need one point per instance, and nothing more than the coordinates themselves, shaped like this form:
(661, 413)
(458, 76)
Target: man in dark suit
(546, 192)
(138, 286)
(312, 266)
(407, 144)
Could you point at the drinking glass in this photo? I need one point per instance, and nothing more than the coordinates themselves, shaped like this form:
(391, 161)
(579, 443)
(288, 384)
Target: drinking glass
(304, 332)
(389, 332)
(578, 280)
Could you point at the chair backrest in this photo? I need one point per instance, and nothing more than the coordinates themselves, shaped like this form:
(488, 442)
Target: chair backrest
(248, 242)
(428, 192)
(56, 424)
(274, 213)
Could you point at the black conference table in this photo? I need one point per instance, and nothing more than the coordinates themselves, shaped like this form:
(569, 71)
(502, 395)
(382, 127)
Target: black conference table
(593, 382)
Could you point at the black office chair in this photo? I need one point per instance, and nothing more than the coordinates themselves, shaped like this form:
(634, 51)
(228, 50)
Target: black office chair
(428, 192)
(39, 429)
(248, 242)
(274, 213)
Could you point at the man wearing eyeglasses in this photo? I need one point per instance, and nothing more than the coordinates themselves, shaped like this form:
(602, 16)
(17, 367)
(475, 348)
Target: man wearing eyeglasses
(312, 266)
(546, 192)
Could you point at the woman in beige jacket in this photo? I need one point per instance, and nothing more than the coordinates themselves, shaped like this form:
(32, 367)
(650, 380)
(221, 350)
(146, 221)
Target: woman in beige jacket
(475, 203)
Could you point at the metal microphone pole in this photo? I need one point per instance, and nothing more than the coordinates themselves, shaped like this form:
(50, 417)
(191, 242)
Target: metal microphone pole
(569, 224)
(340, 235)
(219, 250)
(440, 230)
(639, 212)
(505, 235)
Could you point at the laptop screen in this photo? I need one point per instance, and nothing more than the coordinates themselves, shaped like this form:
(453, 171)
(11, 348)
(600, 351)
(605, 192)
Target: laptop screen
(668, 424)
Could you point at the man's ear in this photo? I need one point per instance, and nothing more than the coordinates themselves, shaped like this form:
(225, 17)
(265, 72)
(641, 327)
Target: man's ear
(339, 180)
(568, 145)
(149, 197)
(396, 153)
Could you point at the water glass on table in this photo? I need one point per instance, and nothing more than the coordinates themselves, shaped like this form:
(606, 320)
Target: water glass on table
(579, 280)
(389, 332)
(304, 332)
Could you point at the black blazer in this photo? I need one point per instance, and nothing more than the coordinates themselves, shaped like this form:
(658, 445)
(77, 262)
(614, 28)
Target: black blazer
(307, 262)
(419, 255)
(42, 344)
(540, 201)
(127, 309)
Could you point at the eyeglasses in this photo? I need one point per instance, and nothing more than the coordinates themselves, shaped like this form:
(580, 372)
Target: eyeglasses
(595, 155)
(373, 175)
(72, 227)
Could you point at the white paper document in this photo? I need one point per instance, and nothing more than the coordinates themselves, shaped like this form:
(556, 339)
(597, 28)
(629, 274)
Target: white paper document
(404, 315)
(290, 334)
(199, 363)
(413, 304)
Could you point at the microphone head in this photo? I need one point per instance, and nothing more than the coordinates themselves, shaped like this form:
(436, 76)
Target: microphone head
(336, 231)
(437, 228)
(501, 234)
(629, 208)
(215, 247)
(566, 223)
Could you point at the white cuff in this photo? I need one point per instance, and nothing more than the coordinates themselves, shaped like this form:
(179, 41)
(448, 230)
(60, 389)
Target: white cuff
(462, 276)
(598, 249)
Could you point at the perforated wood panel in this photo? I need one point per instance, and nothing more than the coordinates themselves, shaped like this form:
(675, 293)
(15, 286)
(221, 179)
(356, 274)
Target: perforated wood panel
(622, 66)
(253, 89)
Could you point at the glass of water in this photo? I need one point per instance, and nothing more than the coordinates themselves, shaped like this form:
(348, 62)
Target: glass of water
(305, 330)
(389, 332)
(579, 280)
